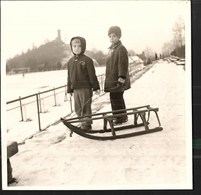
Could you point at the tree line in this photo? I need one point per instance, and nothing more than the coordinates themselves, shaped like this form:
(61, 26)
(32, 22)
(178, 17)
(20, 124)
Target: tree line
(176, 46)
(48, 56)
(51, 55)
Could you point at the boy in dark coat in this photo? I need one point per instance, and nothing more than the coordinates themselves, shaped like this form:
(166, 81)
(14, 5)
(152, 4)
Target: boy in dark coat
(117, 75)
(82, 80)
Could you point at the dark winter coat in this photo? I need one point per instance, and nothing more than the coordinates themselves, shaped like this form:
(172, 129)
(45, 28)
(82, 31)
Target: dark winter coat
(81, 71)
(117, 67)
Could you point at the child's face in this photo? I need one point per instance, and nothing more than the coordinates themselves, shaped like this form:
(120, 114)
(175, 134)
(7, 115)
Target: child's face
(76, 46)
(113, 38)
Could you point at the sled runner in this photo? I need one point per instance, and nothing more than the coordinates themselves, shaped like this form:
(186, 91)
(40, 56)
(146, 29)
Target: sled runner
(140, 124)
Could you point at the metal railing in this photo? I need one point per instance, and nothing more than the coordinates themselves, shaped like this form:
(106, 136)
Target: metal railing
(37, 101)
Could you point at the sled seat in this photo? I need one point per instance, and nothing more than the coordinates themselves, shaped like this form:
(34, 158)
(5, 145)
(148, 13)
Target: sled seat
(136, 112)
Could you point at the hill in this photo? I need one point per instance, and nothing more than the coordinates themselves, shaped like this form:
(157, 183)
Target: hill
(46, 57)
(51, 55)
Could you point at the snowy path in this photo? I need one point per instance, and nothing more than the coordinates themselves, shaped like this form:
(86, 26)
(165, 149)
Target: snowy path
(53, 160)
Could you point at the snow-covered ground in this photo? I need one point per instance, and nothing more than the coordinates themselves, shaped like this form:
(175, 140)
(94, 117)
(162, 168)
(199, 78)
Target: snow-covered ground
(53, 160)
(19, 85)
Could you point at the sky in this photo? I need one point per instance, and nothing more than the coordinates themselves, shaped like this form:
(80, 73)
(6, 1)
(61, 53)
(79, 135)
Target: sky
(143, 23)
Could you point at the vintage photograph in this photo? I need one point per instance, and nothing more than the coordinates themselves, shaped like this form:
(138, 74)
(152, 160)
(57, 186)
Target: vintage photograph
(96, 95)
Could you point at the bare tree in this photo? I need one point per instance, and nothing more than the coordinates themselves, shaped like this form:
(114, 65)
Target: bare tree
(149, 53)
(167, 48)
(131, 52)
(178, 32)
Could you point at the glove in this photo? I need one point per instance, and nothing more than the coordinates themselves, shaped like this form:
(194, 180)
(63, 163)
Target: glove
(97, 92)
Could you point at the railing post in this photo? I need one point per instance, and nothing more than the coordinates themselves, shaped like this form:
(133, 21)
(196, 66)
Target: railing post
(102, 79)
(101, 82)
(65, 96)
(39, 103)
(55, 102)
(38, 111)
(21, 108)
(71, 107)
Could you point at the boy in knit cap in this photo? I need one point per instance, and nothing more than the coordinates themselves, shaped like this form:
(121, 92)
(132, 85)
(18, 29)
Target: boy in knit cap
(117, 74)
(82, 80)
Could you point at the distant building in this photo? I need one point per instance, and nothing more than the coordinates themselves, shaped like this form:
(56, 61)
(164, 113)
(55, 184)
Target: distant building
(135, 59)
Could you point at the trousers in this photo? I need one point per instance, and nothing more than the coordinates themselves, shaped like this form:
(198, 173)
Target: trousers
(117, 102)
(82, 102)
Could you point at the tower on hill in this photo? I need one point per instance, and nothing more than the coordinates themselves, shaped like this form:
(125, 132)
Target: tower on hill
(58, 35)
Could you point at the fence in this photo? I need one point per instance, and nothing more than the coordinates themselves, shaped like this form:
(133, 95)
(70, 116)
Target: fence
(33, 107)
(41, 107)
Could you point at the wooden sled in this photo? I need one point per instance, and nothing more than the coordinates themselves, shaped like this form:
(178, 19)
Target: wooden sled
(113, 132)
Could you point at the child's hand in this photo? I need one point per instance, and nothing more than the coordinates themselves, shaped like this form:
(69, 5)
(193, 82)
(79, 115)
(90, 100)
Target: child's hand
(97, 92)
(121, 80)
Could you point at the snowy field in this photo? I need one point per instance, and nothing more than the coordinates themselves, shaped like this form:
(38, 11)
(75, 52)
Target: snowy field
(162, 160)
(19, 85)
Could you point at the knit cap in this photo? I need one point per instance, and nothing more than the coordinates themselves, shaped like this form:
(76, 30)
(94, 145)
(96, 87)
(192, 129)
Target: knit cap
(116, 30)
